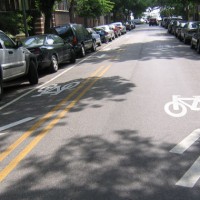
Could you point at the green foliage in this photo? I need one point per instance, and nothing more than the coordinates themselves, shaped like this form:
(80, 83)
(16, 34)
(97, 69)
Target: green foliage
(122, 9)
(93, 8)
(184, 8)
(12, 22)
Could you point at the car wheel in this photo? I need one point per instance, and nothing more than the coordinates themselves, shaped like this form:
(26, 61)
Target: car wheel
(54, 64)
(73, 57)
(82, 53)
(99, 44)
(33, 73)
(1, 89)
(93, 49)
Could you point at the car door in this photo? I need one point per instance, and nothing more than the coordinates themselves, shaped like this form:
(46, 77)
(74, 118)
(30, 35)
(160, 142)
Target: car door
(88, 40)
(12, 58)
(66, 47)
(55, 47)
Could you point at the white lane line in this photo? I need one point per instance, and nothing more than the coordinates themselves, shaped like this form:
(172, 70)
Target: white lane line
(16, 123)
(187, 142)
(190, 178)
(25, 94)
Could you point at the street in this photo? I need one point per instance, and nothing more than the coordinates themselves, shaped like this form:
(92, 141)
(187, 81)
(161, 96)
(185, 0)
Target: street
(120, 124)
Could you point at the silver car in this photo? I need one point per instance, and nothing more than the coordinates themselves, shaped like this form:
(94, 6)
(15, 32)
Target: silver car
(108, 30)
(15, 62)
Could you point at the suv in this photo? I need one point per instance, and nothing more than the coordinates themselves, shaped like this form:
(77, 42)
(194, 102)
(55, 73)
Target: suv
(15, 62)
(153, 21)
(78, 36)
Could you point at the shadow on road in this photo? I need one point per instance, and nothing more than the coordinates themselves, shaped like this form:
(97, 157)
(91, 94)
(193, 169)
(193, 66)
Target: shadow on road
(96, 168)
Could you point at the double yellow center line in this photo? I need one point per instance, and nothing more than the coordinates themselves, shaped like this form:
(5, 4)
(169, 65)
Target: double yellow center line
(85, 85)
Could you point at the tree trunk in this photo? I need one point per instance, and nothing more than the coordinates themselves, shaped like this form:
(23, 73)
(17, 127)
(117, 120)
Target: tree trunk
(71, 12)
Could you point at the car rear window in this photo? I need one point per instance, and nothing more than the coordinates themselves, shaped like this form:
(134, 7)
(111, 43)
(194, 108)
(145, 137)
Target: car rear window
(33, 41)
(64, 32)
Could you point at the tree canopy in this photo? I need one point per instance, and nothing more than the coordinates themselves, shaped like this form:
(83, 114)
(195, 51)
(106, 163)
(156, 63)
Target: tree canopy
(121, 10)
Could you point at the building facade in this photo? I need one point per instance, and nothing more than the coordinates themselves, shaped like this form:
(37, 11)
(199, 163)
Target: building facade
(60, 15)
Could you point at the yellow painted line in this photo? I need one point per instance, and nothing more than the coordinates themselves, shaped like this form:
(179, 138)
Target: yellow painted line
(5, 172)
(14, 145)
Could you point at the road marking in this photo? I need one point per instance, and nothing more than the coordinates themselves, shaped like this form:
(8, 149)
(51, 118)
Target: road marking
(16, 123)
(56, 89)
(27, 93)
(14, 145)
(190, 178)
(187, 142)
(45, 131)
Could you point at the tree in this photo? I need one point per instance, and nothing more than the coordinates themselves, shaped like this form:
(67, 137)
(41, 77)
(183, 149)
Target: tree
(46, 7)
(123, 9)
(177, 7)
(93, 8)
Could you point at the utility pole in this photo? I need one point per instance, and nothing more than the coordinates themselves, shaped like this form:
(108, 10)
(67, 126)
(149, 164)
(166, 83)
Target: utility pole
(24, 18)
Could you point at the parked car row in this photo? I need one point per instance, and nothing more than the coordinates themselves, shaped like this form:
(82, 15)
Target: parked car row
(62, 44)
(186, 31)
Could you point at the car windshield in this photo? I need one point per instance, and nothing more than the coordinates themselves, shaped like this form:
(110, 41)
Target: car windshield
(33, 41)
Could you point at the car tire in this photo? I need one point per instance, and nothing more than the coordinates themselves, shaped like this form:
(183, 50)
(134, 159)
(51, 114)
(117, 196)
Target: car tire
(82, 53)
(33, 73)
(93, 49)
(1, 89)
(54, 64)
(99, 44)
(73, 57)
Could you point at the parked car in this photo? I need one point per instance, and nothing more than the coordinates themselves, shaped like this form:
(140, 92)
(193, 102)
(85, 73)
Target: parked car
(164, 21)
(103, 34)
(170, 26)
(179, 28)
(188, 30)
(50, 50)
(95, 36)
(107, 29)
(128, 26)
(176, 26)
(195, 41)
(78, 36)
(132, 23)
(121, 27)
(116, 30)
(153, 22)
(16, 62)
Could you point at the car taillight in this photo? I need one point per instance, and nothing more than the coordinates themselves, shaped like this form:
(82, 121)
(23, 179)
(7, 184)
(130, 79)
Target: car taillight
(74, 41)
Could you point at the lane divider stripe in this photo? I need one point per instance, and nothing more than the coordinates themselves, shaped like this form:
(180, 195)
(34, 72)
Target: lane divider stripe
(13, 146)
(10, 167)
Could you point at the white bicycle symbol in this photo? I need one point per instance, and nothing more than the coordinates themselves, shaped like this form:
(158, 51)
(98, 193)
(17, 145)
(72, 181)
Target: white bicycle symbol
(56, 89)
(178, 107)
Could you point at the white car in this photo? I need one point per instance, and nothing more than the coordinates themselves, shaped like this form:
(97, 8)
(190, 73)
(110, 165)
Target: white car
(108, 30)
(16, 62)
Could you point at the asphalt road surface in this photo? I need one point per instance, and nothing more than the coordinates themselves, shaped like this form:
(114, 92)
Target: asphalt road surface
(121, 124)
